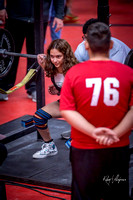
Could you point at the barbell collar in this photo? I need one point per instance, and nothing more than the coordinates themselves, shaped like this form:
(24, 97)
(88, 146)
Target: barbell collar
(2, 53)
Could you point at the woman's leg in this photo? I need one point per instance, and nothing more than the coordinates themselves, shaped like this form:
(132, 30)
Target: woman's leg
(52, 111)
(41, 118)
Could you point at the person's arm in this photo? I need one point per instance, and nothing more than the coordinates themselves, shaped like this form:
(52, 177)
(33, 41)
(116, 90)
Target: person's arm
(59, 8)
(102, 135)
(125, 125)
(119, 51)
(77, 121)
(59, 14)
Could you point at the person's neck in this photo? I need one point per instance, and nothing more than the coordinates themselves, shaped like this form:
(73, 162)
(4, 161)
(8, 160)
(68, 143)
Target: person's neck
(60, 71)
(98, 56)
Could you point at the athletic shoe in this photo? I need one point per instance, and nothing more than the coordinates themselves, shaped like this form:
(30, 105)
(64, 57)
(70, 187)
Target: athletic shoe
(66, 135)
(32, 96)
(48, 149)
(70, 18)
(3, 97)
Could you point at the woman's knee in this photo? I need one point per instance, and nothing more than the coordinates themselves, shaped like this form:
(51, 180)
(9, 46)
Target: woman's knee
(41, 118)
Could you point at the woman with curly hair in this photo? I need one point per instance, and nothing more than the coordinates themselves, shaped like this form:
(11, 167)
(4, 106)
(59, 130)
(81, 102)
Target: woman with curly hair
(59, 59)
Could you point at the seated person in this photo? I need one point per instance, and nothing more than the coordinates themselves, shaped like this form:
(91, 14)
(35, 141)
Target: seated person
(117, 53)
(59, 59)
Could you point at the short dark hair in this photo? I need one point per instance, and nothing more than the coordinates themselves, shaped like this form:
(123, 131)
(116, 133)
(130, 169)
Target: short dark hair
(87, 23)
(98, 37)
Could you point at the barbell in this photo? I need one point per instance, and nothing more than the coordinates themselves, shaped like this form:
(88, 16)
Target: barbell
(7, 53)
(4, 53)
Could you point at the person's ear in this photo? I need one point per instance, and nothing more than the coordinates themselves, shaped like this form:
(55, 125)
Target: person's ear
(86, 45)
(111, 44)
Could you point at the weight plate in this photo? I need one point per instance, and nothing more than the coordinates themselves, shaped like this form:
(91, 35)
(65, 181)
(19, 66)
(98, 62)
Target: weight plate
(6, 61)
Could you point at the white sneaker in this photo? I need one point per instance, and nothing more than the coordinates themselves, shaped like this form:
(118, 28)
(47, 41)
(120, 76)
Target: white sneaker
(32, 96)
(66, 135)
(48, 149)
(3, 97)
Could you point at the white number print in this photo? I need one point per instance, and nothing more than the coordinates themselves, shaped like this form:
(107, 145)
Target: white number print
(111, 94)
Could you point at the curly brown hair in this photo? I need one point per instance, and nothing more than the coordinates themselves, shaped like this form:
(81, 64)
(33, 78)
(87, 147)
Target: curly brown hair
(69, 58)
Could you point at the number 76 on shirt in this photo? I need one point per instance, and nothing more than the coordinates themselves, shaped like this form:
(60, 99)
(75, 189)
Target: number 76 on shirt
(110, 95)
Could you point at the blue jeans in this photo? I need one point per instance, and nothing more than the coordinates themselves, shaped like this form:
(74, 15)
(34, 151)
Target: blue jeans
(54, 35)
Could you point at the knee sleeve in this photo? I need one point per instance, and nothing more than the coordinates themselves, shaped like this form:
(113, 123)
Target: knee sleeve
(40, 119)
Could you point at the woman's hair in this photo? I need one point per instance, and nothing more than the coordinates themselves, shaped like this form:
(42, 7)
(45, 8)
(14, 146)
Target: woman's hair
(69, 59)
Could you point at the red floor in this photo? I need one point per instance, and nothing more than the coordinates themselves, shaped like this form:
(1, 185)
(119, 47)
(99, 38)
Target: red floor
(21, 193)
(18, 103)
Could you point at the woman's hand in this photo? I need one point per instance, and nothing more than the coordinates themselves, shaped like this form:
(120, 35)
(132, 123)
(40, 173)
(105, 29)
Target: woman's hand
(52, 90)
(41, 60)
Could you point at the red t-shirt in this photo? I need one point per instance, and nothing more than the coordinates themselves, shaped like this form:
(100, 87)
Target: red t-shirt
(101, 92)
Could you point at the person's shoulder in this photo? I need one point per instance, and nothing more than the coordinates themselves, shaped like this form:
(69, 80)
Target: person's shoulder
(81, 45)
(121, 66)
(119, 50)
(81, 53)
(119, 43)
(75, 71)
(128, 67)
(77, 67)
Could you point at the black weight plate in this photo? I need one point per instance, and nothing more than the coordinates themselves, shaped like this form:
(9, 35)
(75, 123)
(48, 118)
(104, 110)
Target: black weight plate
(6, 42)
